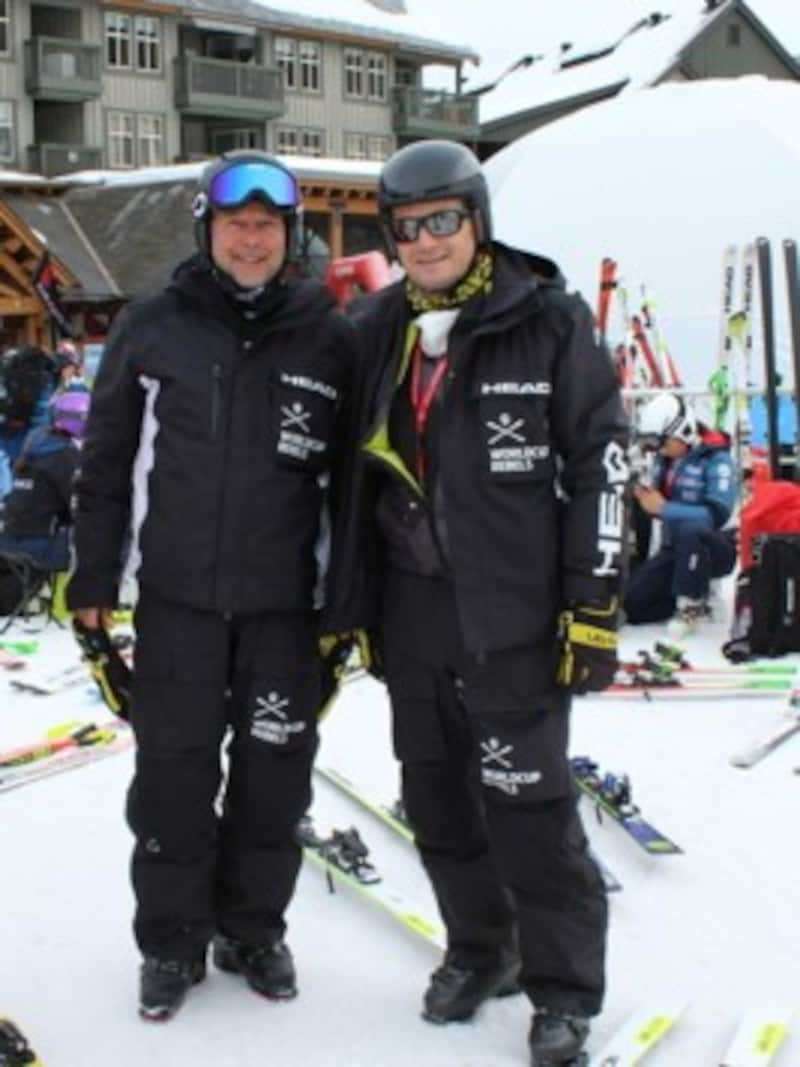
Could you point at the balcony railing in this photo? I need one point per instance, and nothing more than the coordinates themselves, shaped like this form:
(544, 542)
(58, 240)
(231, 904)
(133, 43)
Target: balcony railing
(227, 89)
(57, 68)
(431, 113)
(51, 160)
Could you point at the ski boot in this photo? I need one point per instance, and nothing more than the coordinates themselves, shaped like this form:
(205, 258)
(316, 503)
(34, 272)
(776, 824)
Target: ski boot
(14, 1048)
(557, 1038)
(455, 992)
(163, 985)
(268, 969)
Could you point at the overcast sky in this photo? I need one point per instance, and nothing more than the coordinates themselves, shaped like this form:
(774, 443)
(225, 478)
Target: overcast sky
(503, 30)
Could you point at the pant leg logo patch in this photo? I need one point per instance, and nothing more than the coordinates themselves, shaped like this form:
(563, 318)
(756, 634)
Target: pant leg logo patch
(497, 768)
(271, 722)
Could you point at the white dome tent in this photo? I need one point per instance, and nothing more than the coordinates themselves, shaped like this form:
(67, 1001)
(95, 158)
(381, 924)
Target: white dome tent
(661, 180)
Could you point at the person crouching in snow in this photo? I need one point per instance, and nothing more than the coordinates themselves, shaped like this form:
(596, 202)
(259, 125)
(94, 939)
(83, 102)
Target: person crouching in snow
(693, 493)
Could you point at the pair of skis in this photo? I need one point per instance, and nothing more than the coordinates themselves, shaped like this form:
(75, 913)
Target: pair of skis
(755, 1042)
(65, 747)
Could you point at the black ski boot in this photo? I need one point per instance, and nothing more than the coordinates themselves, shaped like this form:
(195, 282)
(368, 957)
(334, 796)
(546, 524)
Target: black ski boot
(14, 1048)
(268, 969)
(557, 1038)
(455, 993)
(163, 985)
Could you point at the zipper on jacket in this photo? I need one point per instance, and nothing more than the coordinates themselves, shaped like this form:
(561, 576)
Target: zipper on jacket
(216, 398)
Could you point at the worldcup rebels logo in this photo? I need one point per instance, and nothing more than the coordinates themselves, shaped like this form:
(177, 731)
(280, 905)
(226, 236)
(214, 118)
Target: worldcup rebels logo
(271, 722)
(497, 768)
(506, 430)
(295, 417)
(296, 438)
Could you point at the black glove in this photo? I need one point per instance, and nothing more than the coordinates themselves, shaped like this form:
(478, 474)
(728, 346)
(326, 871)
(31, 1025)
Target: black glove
(338, 661)
(588, 634)
(106, 666)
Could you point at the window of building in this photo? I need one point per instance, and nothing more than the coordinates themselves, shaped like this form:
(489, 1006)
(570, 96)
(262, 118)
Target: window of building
(378, 147)
(228, 140)
(353, 72)
(118, 40)
(355, 146)
(133, 41)
(5, 27)
(301, 142)
(286, 58)
(366, 146)
(7, 146)
(405, 75)
(148, 43)
(376, 76)
(310, 66)
(734, 34)
(365, 74)
(120, 139)
(150, 136)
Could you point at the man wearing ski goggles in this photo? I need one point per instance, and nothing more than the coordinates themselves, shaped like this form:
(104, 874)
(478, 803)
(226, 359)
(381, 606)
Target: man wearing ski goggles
(238, 375)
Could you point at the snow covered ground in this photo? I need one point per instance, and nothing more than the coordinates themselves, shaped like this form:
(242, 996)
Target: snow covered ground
(717, 925)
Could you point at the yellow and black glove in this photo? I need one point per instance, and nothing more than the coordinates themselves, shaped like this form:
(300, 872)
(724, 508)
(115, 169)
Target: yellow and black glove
(106, 666)
(588, 635)
(342, 654)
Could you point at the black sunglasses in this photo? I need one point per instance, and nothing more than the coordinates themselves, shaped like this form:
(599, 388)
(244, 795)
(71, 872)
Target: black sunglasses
(438, 224)
(650, 442)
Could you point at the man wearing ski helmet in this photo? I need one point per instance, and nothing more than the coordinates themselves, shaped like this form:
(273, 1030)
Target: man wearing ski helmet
(693, 493)
(491, 498)
(215, 448)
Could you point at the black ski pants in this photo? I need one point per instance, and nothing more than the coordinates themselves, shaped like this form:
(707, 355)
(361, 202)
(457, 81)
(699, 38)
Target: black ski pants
(488, 790)
(214, 855)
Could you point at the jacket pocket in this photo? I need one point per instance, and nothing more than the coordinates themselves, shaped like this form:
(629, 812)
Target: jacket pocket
(513, 431)
(305, 417)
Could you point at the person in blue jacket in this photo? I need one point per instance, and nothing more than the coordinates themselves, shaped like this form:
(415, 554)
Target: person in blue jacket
(693, 493)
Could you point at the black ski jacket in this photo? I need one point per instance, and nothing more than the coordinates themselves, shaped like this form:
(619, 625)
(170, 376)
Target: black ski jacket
(530, 452)
(210, 443)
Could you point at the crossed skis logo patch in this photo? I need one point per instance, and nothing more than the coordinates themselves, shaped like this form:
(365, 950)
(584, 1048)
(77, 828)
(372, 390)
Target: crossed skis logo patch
(497, 768)
(271, 722)
(296, 432)
(509, 449)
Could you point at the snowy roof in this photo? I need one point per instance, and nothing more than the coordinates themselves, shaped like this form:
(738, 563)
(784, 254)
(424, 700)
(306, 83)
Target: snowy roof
(409, 24)
(305, 167)
(637, 56)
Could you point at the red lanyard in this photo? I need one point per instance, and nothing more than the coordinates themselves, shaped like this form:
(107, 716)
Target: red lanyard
(421, 399)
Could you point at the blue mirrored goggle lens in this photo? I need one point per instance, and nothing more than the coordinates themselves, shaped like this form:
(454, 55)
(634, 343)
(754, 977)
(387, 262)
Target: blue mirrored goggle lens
(235, 186)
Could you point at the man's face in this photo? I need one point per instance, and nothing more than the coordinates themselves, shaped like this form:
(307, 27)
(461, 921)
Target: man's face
(673, 448)
(249, 243)
(436, 264)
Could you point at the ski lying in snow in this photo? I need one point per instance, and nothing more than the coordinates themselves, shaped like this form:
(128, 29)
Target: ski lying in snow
(757, 1038)
(66, 760)
(72, 676)
(14, 1048)
(344, 857)
(58, 738)
(673, 659)
(393, 817)
(760, 749)
(611, 794)
(640, 1034)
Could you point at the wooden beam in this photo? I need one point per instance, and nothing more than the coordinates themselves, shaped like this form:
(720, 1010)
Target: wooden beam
(26, 306)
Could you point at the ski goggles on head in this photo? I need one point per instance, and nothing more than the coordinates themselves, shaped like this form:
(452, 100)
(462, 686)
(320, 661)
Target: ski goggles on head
(442, 223)
(242, 182)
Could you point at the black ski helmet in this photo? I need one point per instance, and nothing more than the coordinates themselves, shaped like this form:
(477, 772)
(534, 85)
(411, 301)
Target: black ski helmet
(434, 170)
(286, 197)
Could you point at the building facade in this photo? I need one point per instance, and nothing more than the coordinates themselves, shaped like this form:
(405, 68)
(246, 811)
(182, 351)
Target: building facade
(90, 84)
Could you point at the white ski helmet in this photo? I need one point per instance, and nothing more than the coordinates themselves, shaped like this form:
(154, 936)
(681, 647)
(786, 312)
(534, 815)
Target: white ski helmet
(663, 417)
